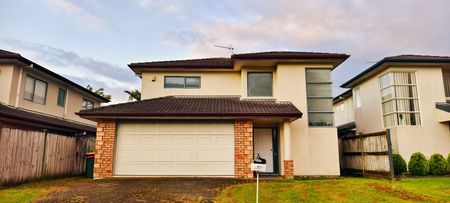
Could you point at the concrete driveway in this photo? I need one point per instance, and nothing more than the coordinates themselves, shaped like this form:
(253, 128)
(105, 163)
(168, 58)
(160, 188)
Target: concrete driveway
(139, 190)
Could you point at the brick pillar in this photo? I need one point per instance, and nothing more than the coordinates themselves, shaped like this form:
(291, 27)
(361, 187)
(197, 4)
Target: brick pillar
(243, 148)
(288, 169)
(104, 148)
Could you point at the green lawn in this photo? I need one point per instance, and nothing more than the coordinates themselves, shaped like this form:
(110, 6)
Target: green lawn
(22, 194)
(343, 190)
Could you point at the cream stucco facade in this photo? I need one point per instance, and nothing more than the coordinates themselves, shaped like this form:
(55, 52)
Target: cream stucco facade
(431, 136)
(13, 81)
(314, 150)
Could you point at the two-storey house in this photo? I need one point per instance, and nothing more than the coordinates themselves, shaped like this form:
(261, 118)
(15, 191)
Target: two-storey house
(32, 96)
(212, 117)
(407, 94)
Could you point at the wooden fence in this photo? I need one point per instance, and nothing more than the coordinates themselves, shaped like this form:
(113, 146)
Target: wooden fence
(27, 155)
(368, 154)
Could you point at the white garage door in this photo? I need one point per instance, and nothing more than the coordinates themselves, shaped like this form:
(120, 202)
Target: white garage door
(179, 149)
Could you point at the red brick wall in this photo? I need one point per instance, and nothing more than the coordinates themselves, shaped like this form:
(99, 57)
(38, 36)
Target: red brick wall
(243, 151)
(104, 148)
(288, 168)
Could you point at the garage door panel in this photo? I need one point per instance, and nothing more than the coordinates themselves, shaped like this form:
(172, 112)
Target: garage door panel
(175, 149)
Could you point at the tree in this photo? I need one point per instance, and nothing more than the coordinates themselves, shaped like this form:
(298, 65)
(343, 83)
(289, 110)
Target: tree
(99, 91)
(133, 95)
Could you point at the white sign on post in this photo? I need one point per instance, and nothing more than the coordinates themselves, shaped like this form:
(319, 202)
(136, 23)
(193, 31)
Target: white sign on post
(258, 167)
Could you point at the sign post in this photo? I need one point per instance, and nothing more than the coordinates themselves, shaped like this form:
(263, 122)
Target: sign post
(258, 165)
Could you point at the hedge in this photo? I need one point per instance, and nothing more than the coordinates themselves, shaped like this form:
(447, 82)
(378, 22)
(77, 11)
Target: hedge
(438, 165)
(399, 164)
(418, 164)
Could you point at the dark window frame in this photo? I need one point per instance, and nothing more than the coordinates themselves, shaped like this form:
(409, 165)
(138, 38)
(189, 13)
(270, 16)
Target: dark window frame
(184, 84)
(34, 89)
(260, 72)
(319, 97)
(86, 107)
(63, 99)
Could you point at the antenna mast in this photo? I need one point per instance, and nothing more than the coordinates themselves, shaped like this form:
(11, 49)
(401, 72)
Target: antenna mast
(229, 47)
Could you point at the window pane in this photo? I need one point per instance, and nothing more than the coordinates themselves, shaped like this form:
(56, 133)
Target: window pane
(29, 89)
(318, 75)
(386, 80)
(174, 82)
(320, 105)
(61, 97)
(39, 92)
(259, 84)
(320, 119)
(358, 101)
(318, 90)
(387, 93)
(87, 104)
(193, 82)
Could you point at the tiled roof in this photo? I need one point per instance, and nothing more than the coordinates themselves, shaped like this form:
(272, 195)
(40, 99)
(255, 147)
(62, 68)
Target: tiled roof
(10, 114)
(11, 55)
(407, 58)
(188, 63)
(203, 106)
(288, 55)
(227, 63)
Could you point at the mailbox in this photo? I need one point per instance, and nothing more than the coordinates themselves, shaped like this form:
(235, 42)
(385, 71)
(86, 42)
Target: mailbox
(259, 164)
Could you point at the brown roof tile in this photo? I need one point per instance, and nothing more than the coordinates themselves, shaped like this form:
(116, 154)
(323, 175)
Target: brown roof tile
(227, 63)
(203, 106)
(26, 118)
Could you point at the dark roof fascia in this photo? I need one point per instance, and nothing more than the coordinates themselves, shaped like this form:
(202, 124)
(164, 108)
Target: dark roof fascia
(443, 106)
(385, 61)
(53, 74)
(343, 96)
(35, 123)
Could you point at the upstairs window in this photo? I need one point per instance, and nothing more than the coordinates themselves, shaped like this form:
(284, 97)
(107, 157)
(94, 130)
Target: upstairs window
(357, 94)
(35, 90)
(61, 97)
(399, 99)
(182, 82)
(319, 96)
(446, 77)
(259, 84)
(87, 104)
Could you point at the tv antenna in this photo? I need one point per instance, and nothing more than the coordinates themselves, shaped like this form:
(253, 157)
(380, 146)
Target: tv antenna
(229, 47)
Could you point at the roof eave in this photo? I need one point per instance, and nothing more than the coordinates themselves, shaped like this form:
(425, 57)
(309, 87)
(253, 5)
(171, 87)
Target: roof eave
(358, 79)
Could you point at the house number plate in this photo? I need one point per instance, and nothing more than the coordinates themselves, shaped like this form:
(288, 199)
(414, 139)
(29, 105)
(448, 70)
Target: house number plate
(258, 167)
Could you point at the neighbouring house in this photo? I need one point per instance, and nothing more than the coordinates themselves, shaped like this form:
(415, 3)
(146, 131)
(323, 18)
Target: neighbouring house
(40, 134)
(407, 94)
(29, 87)
(213, 116)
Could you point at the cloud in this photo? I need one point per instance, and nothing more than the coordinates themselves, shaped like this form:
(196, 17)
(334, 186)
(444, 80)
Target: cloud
(368, 30)
(82, 70)
(81, 15)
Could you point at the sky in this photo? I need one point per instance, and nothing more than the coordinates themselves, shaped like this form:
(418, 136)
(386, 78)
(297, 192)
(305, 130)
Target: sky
(92, 41)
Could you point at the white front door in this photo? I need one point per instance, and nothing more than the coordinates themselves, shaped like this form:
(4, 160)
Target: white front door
(264, 147)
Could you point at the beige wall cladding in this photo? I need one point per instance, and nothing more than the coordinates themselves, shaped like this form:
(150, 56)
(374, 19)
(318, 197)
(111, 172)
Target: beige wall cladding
(243, 132)
(429, 137)
(104, 149)
(6, 77)
(212, 83)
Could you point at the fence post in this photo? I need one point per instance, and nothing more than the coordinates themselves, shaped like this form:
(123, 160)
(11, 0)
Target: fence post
(391, 161)
(44, 154)
(363, 158)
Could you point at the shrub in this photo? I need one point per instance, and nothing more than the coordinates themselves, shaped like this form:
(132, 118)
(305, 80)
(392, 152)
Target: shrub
(448, 162)
(438, 164)
(399, 164)
(418, 164)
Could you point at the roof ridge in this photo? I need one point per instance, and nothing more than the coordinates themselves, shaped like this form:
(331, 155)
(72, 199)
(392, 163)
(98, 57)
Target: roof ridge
(183, 60)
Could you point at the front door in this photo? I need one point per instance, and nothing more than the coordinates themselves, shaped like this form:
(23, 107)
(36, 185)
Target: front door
(264, 146)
